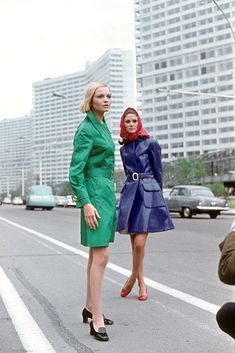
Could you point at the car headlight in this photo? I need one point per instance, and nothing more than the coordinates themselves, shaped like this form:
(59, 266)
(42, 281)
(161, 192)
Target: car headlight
(199, 202)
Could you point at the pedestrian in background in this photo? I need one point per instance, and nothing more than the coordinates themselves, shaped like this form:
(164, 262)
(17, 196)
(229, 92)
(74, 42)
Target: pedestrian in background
(91, 180)
(226, 315)
(142, 208)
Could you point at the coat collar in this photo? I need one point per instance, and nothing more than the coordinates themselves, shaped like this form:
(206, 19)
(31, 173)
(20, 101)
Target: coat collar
(96, 123)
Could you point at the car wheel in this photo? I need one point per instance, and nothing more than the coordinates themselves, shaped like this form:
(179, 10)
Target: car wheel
(213, 215)
(187, 213)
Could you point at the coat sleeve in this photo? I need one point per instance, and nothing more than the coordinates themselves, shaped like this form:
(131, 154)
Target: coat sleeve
(226, 269)
(156, 161)
(82, 147)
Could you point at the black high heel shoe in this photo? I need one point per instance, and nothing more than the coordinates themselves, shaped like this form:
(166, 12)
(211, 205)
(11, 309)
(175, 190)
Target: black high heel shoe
(86, 314)
(100, 335)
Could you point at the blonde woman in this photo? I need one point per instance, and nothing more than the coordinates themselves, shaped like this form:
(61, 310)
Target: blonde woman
(91, 179)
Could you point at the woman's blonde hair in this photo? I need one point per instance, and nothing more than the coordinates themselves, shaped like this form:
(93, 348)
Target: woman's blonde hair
(89, 94)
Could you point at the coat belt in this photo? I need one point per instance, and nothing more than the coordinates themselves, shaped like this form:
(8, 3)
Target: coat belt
(136, 176)
(98, 172)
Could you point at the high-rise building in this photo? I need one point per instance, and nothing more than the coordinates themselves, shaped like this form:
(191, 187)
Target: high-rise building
(56, 111)
(188, 46)
(15, 153)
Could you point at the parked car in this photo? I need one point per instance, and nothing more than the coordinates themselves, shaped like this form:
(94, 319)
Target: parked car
(17, 200)
(69, 201)
(190, 200)
(118, 195)
(40, 196)
(166, 192)
(60, 201)
(6, 200)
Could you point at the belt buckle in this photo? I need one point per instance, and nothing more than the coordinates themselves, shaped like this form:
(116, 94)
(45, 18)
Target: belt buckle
(135, 176)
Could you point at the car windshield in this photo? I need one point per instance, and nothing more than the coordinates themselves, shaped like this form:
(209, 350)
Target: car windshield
(41, 191)
(202, 192)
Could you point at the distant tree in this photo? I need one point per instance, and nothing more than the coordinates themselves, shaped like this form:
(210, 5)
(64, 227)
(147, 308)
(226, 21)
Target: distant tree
(168, 174)
(189, 170)
(218, 189)
(62, 189)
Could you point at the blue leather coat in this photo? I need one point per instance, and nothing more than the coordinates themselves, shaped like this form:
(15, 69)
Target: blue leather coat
(142, 207)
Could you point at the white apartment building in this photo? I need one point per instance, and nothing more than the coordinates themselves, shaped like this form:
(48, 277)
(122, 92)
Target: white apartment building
(15, 153)
(186, 45)
(56, 111)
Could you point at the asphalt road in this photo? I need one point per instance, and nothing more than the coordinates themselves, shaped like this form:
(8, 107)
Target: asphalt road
(42, 286)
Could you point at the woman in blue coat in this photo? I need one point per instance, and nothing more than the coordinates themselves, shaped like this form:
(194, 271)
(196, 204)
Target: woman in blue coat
(142, 208)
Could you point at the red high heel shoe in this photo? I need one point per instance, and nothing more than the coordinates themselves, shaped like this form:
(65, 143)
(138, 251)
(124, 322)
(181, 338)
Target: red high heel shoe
(143, 297)
(124, 293)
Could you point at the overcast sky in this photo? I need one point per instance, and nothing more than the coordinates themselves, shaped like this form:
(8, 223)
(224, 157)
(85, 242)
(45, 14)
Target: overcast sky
(48, 38)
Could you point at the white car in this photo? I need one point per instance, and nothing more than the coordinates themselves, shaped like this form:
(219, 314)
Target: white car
(60, 201)
(69, 201)
(17, 200)
(6, 200)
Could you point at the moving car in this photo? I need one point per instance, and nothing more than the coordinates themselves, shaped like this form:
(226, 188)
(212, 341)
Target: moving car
(17, 200)
(40, 196)
(190, 200)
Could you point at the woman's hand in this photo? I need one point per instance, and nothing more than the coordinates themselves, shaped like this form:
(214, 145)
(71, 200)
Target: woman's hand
(91, 216)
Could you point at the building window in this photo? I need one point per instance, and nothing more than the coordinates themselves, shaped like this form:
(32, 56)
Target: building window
(203, 70)
(203, 55)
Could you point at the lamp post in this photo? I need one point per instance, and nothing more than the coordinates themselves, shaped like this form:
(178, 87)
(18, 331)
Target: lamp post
(22, 185)
(8, 187)
(40, 159)
(40, 170)
(193, 93)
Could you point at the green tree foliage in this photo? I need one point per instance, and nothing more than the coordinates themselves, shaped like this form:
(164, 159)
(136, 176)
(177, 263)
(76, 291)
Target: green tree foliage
(190, 170)
(184, 171)
(218, 189)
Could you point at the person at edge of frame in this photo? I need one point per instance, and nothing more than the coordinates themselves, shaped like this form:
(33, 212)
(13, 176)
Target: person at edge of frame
(225, 317)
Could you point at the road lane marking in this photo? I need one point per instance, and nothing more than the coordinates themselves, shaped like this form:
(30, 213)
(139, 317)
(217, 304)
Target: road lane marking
(30, 334)
(185, 297)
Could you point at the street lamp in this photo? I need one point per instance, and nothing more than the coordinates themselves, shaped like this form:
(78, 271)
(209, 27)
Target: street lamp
(193, 93)
(40, 159)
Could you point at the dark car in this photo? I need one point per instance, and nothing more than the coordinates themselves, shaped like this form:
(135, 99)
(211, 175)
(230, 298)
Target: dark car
(190, 200)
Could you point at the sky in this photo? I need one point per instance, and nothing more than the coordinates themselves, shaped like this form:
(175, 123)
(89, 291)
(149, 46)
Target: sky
(49, 38)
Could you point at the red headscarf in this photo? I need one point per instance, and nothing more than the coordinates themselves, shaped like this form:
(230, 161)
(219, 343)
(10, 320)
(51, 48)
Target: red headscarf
(139, 133)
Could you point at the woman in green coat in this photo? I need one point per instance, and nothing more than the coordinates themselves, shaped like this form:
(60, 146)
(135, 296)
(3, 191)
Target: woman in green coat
(91, 180)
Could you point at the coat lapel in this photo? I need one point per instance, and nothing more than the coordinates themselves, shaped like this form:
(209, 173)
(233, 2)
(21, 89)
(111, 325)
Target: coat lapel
(95, 122)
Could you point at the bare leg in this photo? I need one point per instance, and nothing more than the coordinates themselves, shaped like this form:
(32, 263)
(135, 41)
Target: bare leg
(88, 293)
(138, 242)
(99, 262)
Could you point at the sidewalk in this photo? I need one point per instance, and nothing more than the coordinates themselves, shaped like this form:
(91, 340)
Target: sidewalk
(230, 212)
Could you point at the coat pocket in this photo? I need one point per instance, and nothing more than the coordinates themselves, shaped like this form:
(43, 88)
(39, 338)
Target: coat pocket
(152, 194)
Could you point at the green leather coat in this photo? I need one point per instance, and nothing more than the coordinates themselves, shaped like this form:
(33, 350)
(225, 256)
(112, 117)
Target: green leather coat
(91, 178)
